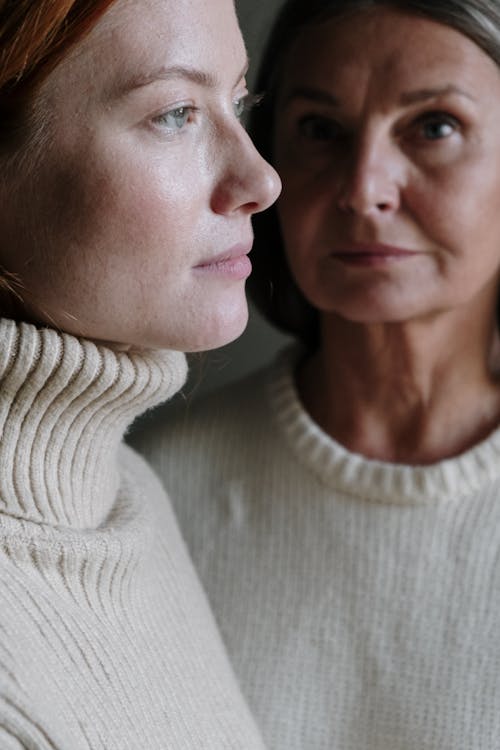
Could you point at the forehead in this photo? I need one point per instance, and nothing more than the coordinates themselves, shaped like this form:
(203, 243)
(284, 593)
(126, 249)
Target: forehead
(388, 44)
(174, 22)
(135, 37)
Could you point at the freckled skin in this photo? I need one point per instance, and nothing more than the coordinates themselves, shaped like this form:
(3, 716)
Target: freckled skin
(124, 204)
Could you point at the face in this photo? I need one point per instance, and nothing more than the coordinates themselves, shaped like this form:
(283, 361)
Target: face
(388, 145)
(136, 222)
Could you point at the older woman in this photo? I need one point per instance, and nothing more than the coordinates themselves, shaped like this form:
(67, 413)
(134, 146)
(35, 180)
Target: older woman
(127, 185)
(344, 505)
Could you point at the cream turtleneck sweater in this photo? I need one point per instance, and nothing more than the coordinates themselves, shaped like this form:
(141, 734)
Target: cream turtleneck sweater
(106, 640)
(359, 600)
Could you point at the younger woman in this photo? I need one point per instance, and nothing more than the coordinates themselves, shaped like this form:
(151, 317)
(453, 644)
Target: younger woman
(127, 184)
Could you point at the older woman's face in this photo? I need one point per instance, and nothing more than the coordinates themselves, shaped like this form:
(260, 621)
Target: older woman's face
(136, 224)
(388, 144)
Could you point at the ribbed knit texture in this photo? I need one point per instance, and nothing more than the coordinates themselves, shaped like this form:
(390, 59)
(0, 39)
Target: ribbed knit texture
(106, 640)
(359, 600)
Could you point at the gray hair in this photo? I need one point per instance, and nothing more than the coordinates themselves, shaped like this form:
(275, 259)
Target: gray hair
(271, 285)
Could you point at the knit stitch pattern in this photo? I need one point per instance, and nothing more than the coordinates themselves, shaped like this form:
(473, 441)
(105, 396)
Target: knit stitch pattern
(106, 639)
(359, 600)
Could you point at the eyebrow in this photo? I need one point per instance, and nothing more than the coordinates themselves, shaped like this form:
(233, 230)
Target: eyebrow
(314, 94)
(410, 97)
(163, 73)
(413, 97)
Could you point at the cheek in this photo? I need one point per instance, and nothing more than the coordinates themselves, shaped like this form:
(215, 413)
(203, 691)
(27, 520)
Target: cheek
(461, 201)
(76, 199)
(113, 208)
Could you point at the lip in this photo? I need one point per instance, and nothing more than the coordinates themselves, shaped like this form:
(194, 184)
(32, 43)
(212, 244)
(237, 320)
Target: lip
(231, 263)
(372, 253)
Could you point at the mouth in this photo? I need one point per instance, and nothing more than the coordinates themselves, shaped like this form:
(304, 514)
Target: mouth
(372, 254)
(231, 263)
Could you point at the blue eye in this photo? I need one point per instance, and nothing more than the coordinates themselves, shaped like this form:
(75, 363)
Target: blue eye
(175, 119)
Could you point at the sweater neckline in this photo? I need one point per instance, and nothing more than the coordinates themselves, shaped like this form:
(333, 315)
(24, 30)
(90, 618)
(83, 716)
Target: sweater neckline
(368, 479)
(65, 404)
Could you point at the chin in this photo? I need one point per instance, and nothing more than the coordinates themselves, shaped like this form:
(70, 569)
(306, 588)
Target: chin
(221, 331)
(208, 329)
(372, 307)
(182, 327)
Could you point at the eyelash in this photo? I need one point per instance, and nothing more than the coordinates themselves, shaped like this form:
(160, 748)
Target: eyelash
(321, 129)
(247, 102)
(437, 118)
(186, 111)
(184, 114)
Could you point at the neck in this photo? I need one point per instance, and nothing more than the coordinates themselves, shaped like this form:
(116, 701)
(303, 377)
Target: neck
(413, 392)
(65, 404)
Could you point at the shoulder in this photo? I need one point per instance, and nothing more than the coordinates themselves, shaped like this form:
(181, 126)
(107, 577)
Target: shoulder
(230, 437)
(204, 444)
(197, 427)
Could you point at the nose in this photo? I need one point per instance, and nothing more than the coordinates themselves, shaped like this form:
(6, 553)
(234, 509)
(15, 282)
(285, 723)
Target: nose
(370, 180)
(246, 183)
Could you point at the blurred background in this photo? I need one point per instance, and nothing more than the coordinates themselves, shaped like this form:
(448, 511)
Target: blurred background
(259, 342)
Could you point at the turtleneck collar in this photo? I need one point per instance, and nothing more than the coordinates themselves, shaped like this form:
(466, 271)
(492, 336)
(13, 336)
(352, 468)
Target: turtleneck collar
(65, 404)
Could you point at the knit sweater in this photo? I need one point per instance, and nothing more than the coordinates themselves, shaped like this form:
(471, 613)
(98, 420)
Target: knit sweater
(106, 639)
(359, 600)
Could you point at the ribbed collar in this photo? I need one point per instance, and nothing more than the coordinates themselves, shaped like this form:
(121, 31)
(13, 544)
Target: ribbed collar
(376, 481)
(65, 404)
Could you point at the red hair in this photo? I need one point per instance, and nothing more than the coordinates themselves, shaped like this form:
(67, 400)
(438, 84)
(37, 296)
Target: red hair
(34, 36)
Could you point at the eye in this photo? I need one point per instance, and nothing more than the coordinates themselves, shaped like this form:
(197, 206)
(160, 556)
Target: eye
(318, 128)
(437, 126)
(175, 119)
(244, 104)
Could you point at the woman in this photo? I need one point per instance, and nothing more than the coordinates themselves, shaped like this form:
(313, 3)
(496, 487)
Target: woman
(343, 506)
(127, 186)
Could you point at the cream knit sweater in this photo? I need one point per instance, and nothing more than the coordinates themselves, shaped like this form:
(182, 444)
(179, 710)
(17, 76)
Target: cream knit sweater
(360, 601)
(106, 641)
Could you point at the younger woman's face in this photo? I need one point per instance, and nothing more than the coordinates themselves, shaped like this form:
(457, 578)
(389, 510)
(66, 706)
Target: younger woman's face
(388, 144)
(134, 227)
